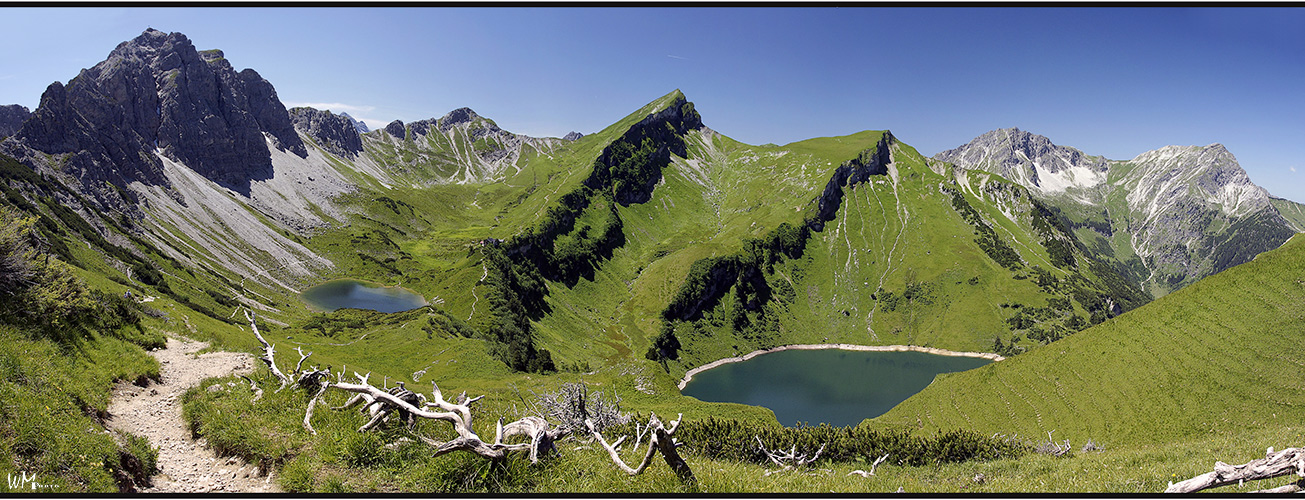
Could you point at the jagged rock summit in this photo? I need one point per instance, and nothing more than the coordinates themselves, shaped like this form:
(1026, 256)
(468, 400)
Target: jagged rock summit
(157, 94)
(12, 117)
(338, 134)
(1029, 159)
(1189, 211)
(357, 124)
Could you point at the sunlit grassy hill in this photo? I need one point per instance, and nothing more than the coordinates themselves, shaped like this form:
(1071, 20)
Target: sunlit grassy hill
(657, 245)
(1215, 359)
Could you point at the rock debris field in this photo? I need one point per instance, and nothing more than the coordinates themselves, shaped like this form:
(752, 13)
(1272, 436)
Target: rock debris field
(185, 465)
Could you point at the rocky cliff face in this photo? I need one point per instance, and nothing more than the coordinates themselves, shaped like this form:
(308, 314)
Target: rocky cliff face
(157, 93)
(854, 171)
(1030, 160)
(459, 147)
(335, 133)
(1188, 211)
(357, 124)
(11, 118)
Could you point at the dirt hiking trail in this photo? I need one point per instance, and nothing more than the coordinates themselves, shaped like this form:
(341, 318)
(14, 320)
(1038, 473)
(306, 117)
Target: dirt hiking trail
(185, 465)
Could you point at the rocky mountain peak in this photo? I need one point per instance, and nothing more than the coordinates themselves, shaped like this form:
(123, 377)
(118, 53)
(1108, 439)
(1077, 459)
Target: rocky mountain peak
(12, 117)
(1029, 159)
(1208, 173)
(458, 116)
(395, 128)
(335, 133)
(357, 124)
(157, 94)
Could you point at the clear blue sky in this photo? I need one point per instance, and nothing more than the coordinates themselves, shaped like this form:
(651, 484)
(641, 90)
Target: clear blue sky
(1113, 82)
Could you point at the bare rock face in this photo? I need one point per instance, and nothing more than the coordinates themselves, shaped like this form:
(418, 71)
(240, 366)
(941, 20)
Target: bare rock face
(1030, 160)
(335, 133)
(395, 129)
(11, 118)
(572, 136)
(157, 93)
(481, 151)
(1191, 211)
(357, 124)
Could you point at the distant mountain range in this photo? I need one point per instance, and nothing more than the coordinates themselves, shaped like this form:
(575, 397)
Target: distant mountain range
(1173, 215)
(161, 192)
(656, 235)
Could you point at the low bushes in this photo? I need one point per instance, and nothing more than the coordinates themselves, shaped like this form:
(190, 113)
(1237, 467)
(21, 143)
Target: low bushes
(728, 439)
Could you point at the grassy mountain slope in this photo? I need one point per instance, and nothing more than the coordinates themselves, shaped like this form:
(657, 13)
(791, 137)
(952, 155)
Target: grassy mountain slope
(1292, 211)
(1213, 359)
(643, 271)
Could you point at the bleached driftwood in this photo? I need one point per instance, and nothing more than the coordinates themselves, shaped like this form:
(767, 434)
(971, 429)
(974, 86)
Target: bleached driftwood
(459, 414)
(872, 467)
(269, 353)
(258, 391)
(308, 414)
(660, 439)
(791, 458)
(1282, 463)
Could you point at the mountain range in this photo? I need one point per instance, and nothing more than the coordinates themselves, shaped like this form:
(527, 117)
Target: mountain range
(1173, 215)
(630, 255)
(213, 172)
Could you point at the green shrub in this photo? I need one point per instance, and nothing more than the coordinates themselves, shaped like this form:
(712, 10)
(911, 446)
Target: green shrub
(730, 439)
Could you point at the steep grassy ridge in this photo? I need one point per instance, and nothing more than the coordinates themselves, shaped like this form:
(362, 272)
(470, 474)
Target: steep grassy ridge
(1213, 359)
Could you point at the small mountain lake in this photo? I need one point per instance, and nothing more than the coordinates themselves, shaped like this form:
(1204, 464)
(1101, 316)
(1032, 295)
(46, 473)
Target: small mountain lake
(342, 293)
(834, 386)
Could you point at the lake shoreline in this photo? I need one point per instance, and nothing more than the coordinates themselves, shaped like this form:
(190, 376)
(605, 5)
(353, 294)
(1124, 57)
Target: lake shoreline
(688, 376)
(318, 304)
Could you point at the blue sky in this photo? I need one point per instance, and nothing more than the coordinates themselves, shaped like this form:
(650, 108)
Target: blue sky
(1113, 82)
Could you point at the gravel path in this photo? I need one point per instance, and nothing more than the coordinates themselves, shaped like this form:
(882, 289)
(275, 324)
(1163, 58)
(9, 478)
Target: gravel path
(185, 465)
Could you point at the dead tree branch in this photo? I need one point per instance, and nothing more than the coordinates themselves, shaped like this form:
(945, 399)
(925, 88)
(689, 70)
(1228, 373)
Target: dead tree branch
(659, 440)
(269, 353)
(1051, 447)
(258, 391)
(1283, 463)
(308, 414)
(872, 467)
(790, 459)
(458, 414)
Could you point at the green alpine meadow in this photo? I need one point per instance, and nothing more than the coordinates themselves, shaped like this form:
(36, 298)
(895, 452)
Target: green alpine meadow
(1139, 320)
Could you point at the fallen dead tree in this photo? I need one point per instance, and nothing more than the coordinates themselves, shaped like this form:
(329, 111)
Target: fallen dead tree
(408, 405)
(659, 440)
(306, 379)
(790, 459)
(1283, 463)
(458, 414)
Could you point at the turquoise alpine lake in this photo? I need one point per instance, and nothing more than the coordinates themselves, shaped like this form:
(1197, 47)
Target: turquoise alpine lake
(833, 386)
(351, 293)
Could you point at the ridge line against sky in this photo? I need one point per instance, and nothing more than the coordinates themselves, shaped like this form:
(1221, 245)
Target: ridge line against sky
(1114, 82)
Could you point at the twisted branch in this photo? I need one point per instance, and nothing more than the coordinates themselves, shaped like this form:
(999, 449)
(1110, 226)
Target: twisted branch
(458, 414)
(1283, 463)
(659, 440)
(269, 353)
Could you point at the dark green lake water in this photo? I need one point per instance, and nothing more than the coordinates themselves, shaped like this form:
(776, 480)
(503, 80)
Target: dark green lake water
(834, 386)
(338, 294)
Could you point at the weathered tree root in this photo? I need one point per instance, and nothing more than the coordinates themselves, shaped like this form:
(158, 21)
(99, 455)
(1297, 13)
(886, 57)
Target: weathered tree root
(790, 459)
(659, 440)
(875, 465)
(1282, 463)
(269, 353)
(458, 414)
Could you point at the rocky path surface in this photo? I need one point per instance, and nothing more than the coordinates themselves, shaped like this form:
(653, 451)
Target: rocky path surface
(185, 465)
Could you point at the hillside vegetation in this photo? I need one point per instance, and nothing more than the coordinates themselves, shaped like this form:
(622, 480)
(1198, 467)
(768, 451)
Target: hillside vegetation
(1213, 360)
(622, 260)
